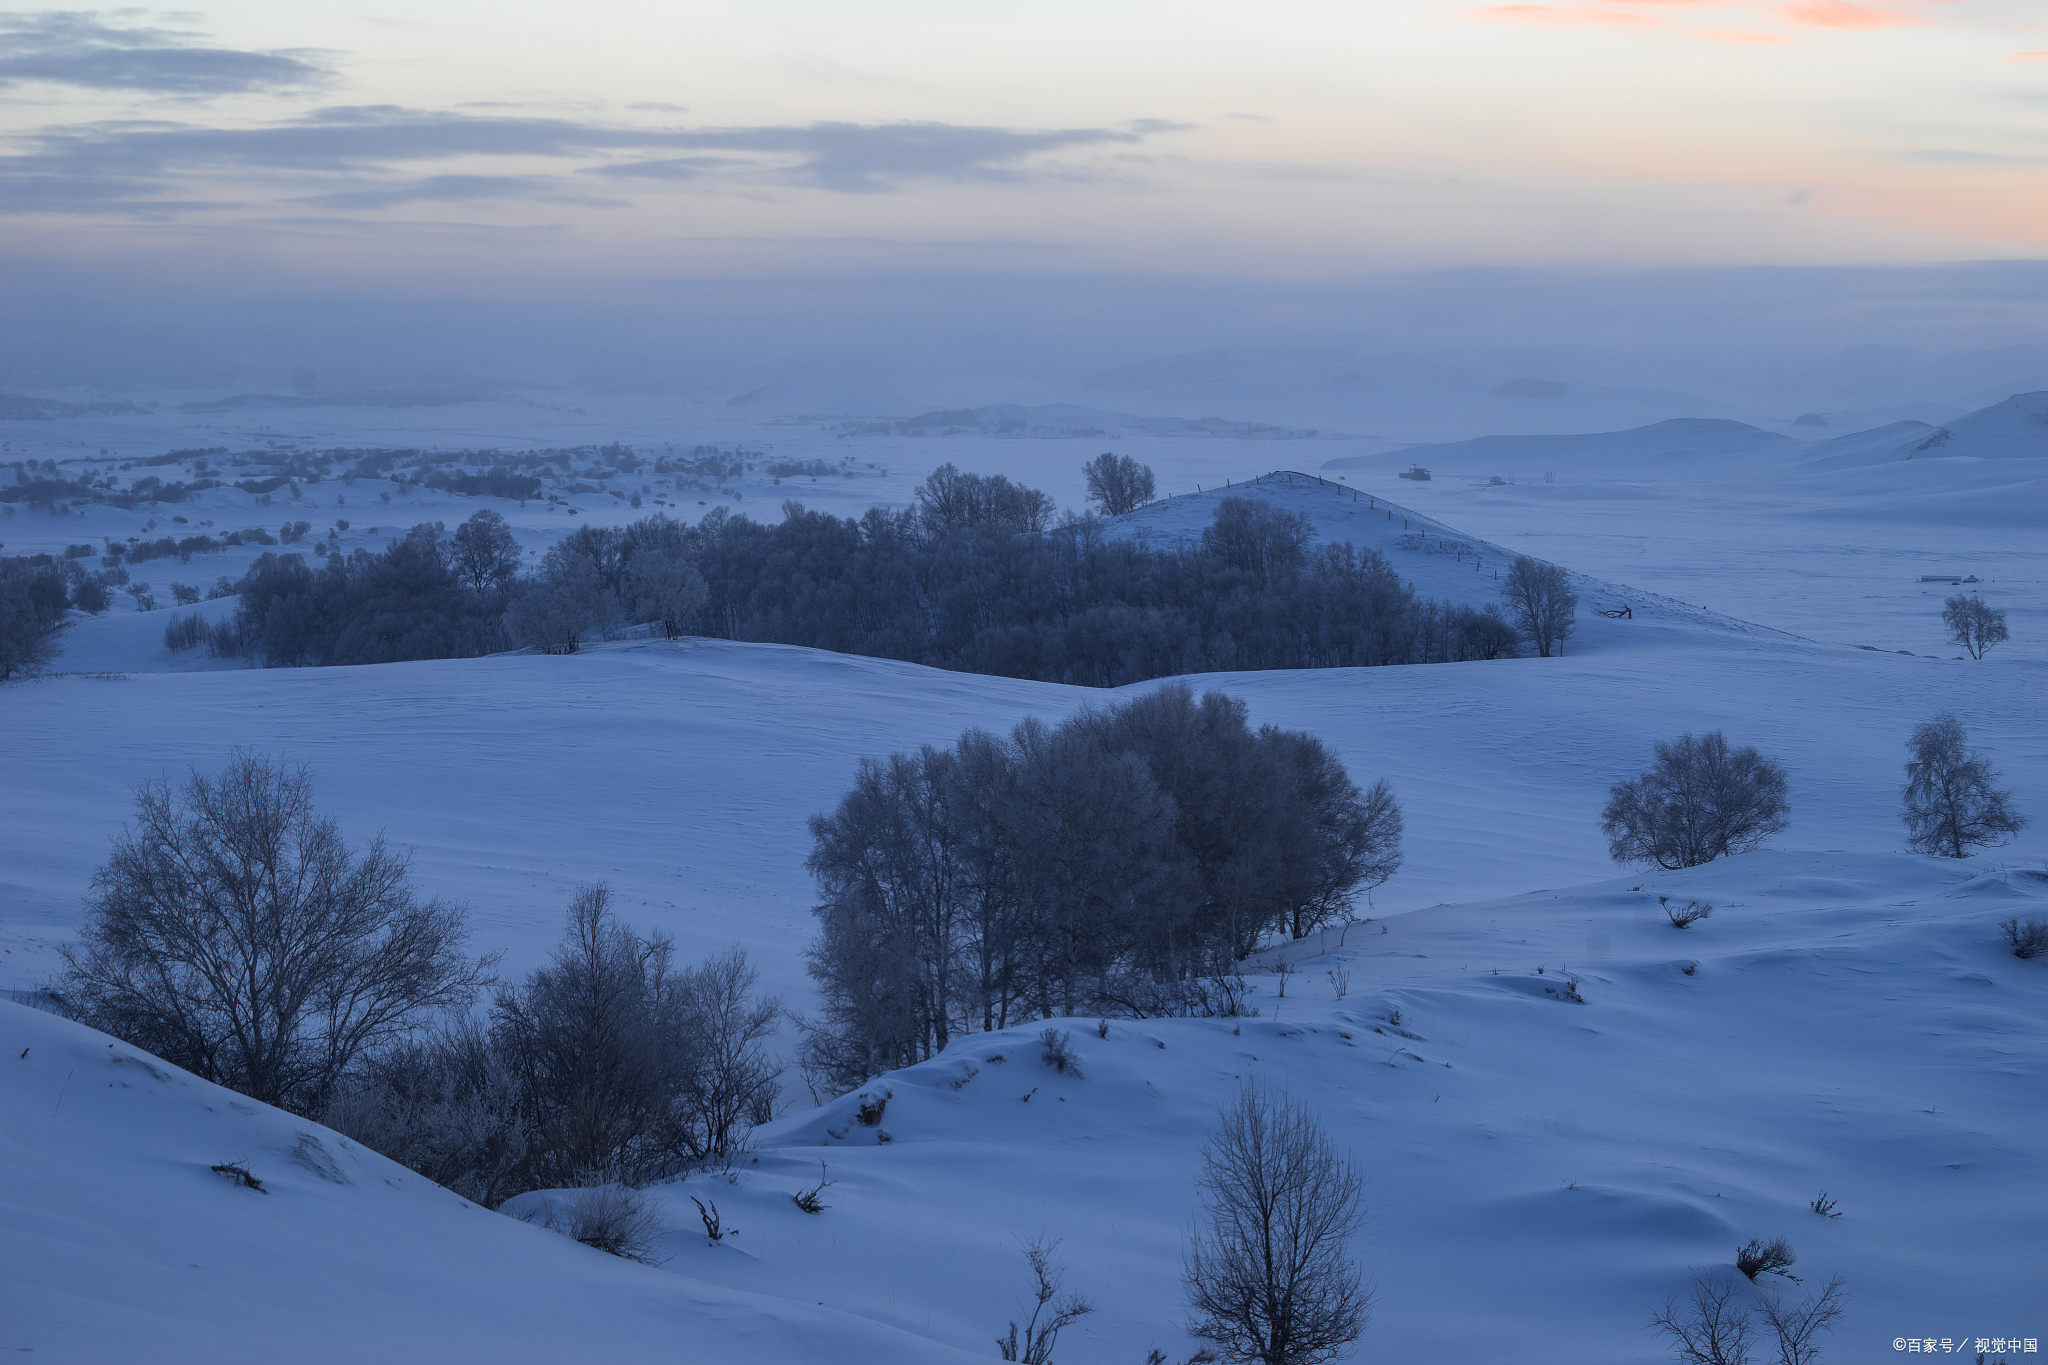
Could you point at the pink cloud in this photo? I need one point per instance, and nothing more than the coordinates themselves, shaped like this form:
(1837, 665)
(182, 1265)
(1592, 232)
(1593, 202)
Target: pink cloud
(1842, 14)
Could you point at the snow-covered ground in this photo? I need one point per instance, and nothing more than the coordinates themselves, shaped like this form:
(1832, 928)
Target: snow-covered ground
(1539, 1171)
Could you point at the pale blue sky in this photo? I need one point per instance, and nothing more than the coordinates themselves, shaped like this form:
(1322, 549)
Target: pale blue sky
(509, 146)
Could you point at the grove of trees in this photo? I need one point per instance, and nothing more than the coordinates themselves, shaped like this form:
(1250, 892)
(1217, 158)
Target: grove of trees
(976, 577)
(1115, 864)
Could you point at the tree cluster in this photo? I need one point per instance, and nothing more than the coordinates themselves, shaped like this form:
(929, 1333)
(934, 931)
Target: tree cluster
(234, 933)
(1107, 865)
(429, 595)
(611, 1065)
(963, 581)
(32, 603)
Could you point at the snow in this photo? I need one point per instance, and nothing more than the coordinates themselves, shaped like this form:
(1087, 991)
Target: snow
(1539, 1171)
(122, 1244)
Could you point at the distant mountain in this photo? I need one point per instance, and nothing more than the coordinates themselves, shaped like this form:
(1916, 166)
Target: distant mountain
(1062, 420)
(372, 398)
(2015, 429)
(21, 407)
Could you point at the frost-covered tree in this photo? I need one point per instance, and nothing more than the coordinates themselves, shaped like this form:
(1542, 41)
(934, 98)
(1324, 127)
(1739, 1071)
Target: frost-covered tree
(1540, 602)
(1699, 801)
(1118, 483)
(1103, 865)
(1268, 1267)
(1972, 624)
(666, 590)
(1951, 801)
(568, 600)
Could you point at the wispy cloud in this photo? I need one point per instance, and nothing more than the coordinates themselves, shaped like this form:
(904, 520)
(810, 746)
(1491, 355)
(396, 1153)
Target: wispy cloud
(57, 47)
(367, 147)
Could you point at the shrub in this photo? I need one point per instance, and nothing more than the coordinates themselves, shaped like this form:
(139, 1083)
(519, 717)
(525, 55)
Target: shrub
(1058, 1052)
(1050, 1314)
(1761, 1257)
(612, 1217)
(1685, 916)
(2029, 937)
(184, 632)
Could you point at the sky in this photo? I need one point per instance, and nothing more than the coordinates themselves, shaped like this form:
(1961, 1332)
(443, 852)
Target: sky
(979, 176)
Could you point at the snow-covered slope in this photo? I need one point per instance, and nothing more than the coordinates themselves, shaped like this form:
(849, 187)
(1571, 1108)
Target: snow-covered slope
(119, 1243)
(1539, 1171)
(1679, 447)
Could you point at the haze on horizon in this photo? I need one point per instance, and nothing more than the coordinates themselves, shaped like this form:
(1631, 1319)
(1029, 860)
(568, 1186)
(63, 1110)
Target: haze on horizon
(1654, 190)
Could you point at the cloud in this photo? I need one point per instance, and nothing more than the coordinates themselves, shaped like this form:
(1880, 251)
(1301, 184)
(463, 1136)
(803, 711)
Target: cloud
(1842, 14)
(74, 48)
(127, 162)
(458, 189)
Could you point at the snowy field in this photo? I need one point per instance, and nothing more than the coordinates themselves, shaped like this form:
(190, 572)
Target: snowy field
(1539, 1171)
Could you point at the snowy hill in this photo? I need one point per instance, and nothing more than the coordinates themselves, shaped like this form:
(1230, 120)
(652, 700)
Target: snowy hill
(1540, 1170)
(121, 1244)
(2014, 429)
(1681, 446)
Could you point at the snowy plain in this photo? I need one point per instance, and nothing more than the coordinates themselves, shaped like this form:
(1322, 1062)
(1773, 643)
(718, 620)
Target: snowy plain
(1852, 1023)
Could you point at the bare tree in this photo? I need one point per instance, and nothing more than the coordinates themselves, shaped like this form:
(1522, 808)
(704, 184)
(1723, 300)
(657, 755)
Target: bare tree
(1042, 1331)
(1701, 800)
(1951, 802)
(483, 553)
(1794, 1329)
(1119, 483)
(1972, 624)
(234, 933)
(1268, 1269)
(1541, 603)
(1709, 1327)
